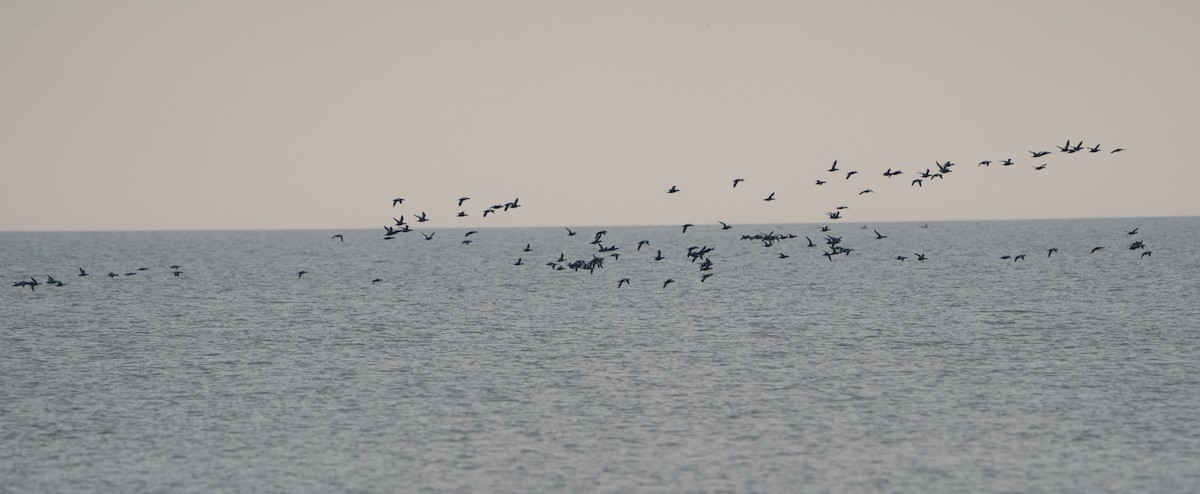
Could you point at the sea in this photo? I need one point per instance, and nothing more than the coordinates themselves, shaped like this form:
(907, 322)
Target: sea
(462, 371)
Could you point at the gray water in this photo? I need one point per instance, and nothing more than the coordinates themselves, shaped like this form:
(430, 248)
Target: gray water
(463, 372)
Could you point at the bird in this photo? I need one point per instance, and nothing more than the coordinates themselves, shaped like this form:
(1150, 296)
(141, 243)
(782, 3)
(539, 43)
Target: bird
(659, 257)
(641, 243)
(462, 200)
(1018, 257)
(461, 214)
(1007, 162)
(879, 236)
(985, 163)
(112, 275)
(668, 282)
(901, 258)
(1130, 232)
(466, 242)
(821, 182)
(1051, 251)
(82, 272)
(1040, 167)
(339, 237)
(1039, 154)
(1004, 257)
(1094, 249)
(1095, 149)
(528, 248)
(810, 242)
(1117, 150)
(783, 256)
(622, 282)
(685, 227)
(724, 225)
(421, 217)
(518, 263)
(472, 232)
(398, 200)
(298, 275)
(737, 180)
(850, 174)
(770, 197)
(834, 167)
(570, 232)
(1144, 254)
(672, 190)
(920, 257)
(705, 276)
(176, 273)
(868, 191)
(918, 182)
(399, 222)
(376, 280)
(430, 236)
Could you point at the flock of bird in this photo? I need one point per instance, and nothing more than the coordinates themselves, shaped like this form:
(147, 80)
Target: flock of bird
(829, 246)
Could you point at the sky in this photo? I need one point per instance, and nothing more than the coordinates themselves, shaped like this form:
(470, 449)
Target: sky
(151, 115)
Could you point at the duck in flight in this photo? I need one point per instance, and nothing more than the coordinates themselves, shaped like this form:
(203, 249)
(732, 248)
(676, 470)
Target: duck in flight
(685, 227)
(82, 272)
(462, 214)
(622, 282)
(1117, 150)
(724, 226)
(879, 236)
(298, 275)
(376, 280)
(461, 200)
(770, 197)
(518, 263)
(339, 237)
(901, 258)
(1094, 249)
(705, 276)
(1130, 232)
(668, 282)
(918, 182)
(472, 232)
(1039, 154)
(528, 248)
(399, 222)
(398, 200)
(1040, 167)
(641, 243)
(1051, 251)
(987, 163)
(659, 256)
(672, 190)
(850, 174)
(737, 181)
(570, 232)
(821, 182)
(834, 167)
(1007, 162)
(430, 236)
(920, 257)
(868, 191)
(1144, 254)
(421, 217)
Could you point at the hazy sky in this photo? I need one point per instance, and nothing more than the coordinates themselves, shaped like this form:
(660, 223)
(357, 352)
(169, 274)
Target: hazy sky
(291, 114)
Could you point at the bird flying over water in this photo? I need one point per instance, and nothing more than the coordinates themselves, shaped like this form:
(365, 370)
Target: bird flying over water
(685, 227)
(622, 282)
(668, 282)
(298, 275)
(339, 237)
(82, 272)
(850, 173)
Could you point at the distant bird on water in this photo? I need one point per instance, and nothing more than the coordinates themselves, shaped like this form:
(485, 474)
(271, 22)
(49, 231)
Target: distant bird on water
(1051, 251)
(376, 280)
(1132, 232)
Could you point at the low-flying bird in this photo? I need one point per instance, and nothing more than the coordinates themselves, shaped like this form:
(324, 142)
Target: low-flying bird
(1039, 154)
(339, 237)
(920, 257)
(430, 236)
(659, 256)
(376, 280)
(833, 168)
(668, 282)
(783, 256)
(528, 248)
(737, 181)
(724, 226)
(82, 272)
(518, 263)
(641, 243)
(622, 282)
(879, 236)
(1007, 162)
(1051, 251)
(901, 258)
(399, 222)
(685, 227)
(672, 190)
(1144, 254)
(1132, 232)
(570, 232)
(176, 273)
(705, 277)
(472, 232)
(1040, 167)
(1117, 150)
(466, 242)
(770, 197)
(421, 217)
(850, 174)
(868, 191)
(398, 200)
(462, 200)
(462, 214)
(1094, 249)
(298, 275)
(985, 163)
(821, 182)
(918, 182)
(1095, 149)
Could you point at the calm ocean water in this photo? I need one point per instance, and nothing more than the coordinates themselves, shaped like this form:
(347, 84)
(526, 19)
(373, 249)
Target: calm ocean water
(460, 371)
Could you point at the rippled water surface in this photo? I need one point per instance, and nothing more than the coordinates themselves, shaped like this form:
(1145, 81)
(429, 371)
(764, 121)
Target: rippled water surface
(460, 371)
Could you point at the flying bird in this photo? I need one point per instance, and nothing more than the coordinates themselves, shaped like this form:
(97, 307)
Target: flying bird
(462, 200)
(668, 282)
(672, 190)
(398, 200)
(879, 236)
(622, 281)
(339, 237)
(821, 182)
(737, 181)
(82, 272)
(770, 197)
(850, 174)
(298, 275)
(834, 167)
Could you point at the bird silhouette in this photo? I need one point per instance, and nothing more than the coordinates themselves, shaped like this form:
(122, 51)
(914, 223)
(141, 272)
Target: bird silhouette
(833, 168)
(770, 197)
(668, 282)
(672, 190)
(879, 236)
(339, 237)
(737, 181)
(398, 200)
(685, 227)
(82, 272)
(622, 281)
(298, 275)
(461, 200)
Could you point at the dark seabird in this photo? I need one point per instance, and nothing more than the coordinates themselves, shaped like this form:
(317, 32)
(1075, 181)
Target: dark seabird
(528, 248)
(659, 257)
(1051, 251)
(825, 228)
(176, 273)
(737, 180)
(1005, 257)
(985, 163)
(518, 263)
(486, 211)
(668, 282)
(1094, 149)
(462, 200)
(1094, 249)
(430, 236)
(622, 282)
(376, 280)
(879, 236)
(461, 214)
(641, 243)
(850, 174)
(917, 182)
(724, 226)
(868, 191)
(570, 233)
(1117, 150)
(1007, 162)
(821, 182)
(339, 237)
(301, 274)
(672, 190)
(399, 222)
(174, 266)
(1144, 254)
(1131, 232)
(810, 242)
(1039, 154)
(112, 274)
(901, 258)
(705, 277)
(685, 227)
(466, 242)
(1018, 257)
(783, 256)
(920, 257)
(421, 217)
(834, 167)
(398, 200)
(770, 197)
(1040, 167)
(82, 272)
(472, 232)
